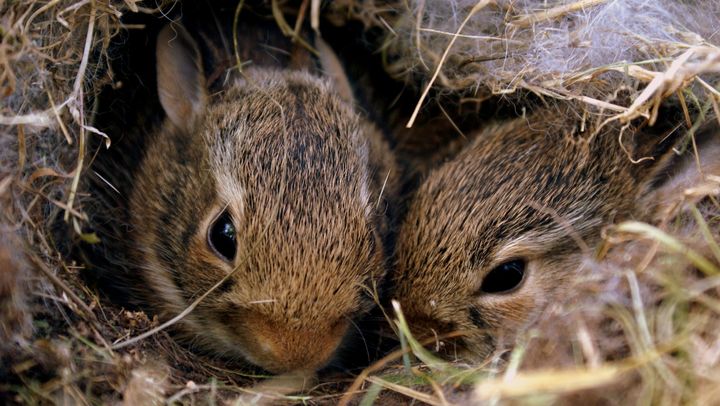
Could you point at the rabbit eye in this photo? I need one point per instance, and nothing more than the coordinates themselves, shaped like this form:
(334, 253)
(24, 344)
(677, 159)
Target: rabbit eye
(221, 237)
(504, 277)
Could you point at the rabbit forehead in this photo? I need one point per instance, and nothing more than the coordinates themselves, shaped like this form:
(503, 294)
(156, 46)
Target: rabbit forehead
(295, 136)
(495, 205)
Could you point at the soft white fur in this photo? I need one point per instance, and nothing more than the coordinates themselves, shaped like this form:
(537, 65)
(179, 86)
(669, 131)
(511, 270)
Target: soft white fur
(608, 33)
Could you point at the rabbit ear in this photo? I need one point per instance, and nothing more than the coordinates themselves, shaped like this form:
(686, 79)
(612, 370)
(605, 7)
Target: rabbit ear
(650, 147)
(678, 173)
(180, 79)
(334, 70)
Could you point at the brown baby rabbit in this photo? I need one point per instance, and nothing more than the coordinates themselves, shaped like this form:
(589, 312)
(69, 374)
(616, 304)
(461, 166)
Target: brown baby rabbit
(495, 233)
(275, 185)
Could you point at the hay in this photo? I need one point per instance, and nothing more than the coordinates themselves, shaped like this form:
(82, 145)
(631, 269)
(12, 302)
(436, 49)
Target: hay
(598, 53)
(56, 333)
(47, 72)
(642, 327)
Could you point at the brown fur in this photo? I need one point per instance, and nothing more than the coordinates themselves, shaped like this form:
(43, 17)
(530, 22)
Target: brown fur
(14, 314)
(301, 174)
(531, 189)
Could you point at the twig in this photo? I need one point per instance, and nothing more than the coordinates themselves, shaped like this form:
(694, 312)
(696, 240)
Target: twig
(236, 47)
(300, 19)
(315, 15)
(190, 308)
(382, 190)
(480, 5)
(382, 362)
(63, 287)
(77, 110)
(411, 393)
(555, 12)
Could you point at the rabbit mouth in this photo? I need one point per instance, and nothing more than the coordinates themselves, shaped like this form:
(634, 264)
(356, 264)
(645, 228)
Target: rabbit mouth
(279, 347)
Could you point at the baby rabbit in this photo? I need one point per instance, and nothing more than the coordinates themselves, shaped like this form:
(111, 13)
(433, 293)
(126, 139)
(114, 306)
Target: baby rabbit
(496, 233)
(275, 185)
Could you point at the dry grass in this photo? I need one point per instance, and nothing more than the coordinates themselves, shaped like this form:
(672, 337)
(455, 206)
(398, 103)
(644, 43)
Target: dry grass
(617, 58)
(643, 326)
(57, 335)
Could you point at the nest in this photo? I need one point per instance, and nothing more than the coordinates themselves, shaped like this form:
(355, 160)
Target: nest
(56, 332)
(620, 57)
(643, 326)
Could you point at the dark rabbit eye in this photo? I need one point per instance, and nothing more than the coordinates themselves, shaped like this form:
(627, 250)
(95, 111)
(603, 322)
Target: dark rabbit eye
(504, 277)
(221, 237)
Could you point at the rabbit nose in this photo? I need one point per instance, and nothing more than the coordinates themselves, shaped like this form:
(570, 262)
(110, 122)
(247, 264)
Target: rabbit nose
(281, 347)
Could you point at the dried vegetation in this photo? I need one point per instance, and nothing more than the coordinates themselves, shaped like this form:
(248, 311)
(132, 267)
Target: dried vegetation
(642, 327)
